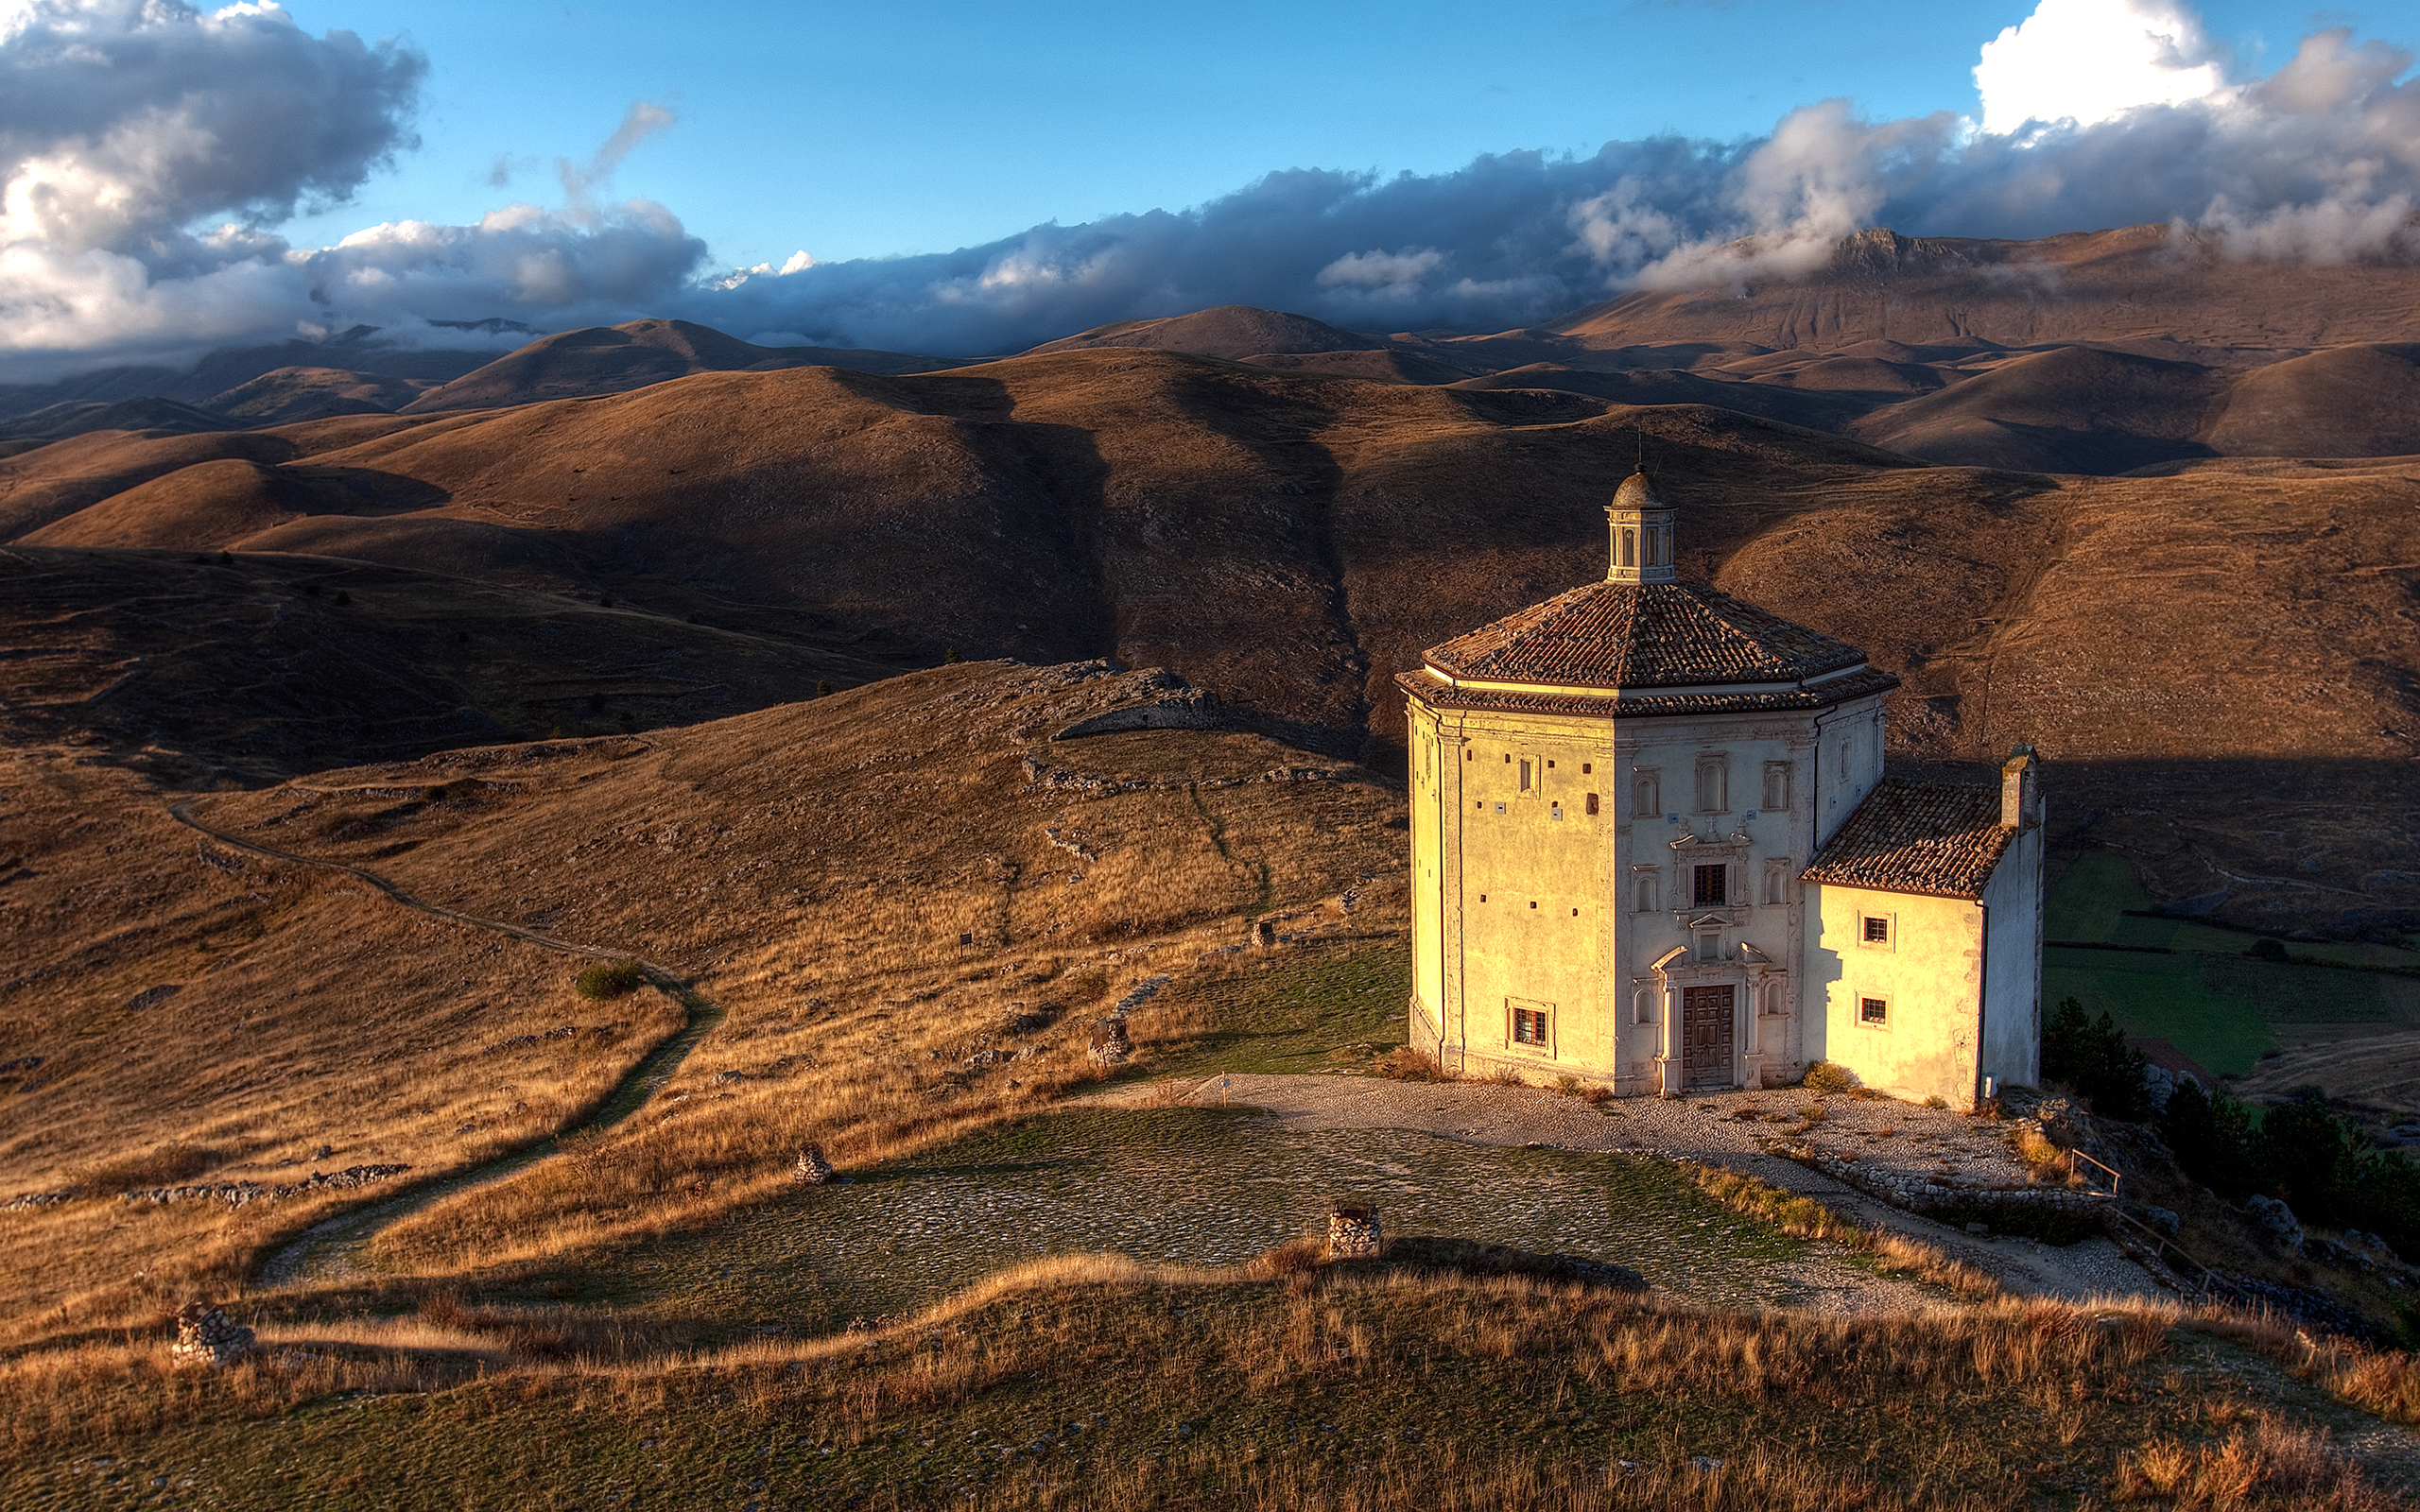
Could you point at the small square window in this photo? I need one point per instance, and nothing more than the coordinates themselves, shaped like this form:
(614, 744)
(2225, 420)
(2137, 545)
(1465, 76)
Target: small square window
(1499, 808)
(1529, 1026)
(1586, 767)
(1873, 1011)
(1878, 929)
(1592, 802)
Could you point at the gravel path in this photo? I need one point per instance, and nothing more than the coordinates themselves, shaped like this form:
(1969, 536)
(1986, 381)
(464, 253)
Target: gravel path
(1703, 1128)
(336, 1246)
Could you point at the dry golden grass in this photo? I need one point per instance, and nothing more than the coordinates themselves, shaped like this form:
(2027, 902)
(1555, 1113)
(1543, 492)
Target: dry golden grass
(1987, 1407)
(1805, 1218)
(910, 931)
(310, 1013)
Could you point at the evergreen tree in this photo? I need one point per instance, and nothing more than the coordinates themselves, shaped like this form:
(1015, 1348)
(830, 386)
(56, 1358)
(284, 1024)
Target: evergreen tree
(2095, 1059)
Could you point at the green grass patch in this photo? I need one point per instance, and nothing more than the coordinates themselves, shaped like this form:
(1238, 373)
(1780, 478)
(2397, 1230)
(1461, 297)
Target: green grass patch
(1315, 1008)
(2090, 899)
(2208, 997)
(2160, 997)
(1182, 1186)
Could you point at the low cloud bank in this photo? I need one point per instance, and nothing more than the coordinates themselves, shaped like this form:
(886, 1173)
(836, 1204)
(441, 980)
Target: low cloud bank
(131, 228)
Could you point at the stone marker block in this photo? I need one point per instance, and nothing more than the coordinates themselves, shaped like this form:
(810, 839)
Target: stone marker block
(1353, 1233)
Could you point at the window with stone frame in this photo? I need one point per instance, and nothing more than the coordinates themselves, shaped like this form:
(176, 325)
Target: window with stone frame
(1776, 788)
(1532, 1024)
(1642, 1006)
(1646, 889)
(1710, 885)
(1645, 793)
(1873, 1012)
(1776, 880)
(1714, 784)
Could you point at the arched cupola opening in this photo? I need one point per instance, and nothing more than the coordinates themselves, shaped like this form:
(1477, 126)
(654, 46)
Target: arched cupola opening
(1640, 520)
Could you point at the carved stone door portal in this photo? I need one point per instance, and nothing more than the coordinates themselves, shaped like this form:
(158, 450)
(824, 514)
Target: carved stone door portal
(1707, 1040)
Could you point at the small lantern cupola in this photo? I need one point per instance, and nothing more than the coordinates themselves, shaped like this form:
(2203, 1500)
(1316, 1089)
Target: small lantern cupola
(1641, 522)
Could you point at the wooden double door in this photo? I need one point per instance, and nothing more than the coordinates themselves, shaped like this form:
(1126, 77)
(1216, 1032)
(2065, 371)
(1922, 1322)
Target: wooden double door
(1707, 1039)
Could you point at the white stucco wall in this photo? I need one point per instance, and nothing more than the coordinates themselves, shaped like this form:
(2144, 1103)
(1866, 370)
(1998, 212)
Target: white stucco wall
(1930, 972)
(1485, 851)
(2012, 980)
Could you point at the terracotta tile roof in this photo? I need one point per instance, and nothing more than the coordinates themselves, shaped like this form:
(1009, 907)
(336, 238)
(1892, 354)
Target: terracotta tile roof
(1645, 706)
(1642, 635)
(1937, 839)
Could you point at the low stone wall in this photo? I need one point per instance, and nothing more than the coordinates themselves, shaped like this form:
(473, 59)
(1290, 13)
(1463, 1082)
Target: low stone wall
(2043, 1211)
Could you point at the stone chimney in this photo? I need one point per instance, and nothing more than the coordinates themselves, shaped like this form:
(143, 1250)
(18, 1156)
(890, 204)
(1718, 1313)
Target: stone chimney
(2020, 791)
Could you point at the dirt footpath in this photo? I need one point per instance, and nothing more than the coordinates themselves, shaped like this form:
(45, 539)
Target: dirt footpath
(1702, 1129)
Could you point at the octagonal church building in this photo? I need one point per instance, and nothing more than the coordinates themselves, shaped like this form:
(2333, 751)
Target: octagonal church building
(1653, 849)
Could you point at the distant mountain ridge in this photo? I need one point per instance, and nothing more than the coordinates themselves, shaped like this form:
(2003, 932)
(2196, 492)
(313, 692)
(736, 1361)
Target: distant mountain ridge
(2094, 353)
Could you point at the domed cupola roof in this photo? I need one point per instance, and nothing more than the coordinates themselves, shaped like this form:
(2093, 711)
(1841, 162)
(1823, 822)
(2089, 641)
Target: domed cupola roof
(1642, 635)
(1644, 639)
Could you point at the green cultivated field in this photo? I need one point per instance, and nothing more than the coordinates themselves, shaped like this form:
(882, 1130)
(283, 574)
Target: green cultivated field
(2196, 986)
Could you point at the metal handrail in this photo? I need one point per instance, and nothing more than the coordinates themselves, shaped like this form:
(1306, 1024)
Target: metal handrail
(2074, 1155)
(2164, 1247)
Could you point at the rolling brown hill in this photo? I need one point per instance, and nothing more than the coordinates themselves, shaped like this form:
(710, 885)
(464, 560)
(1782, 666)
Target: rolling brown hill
(869, 888)
(1289, 542)
(298, 393)
(1237, 331)
(615, 359)
(254, 669)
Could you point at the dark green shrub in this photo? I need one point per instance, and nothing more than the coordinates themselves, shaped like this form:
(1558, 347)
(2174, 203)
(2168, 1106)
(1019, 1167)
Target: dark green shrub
(2095, 1059)
(2207, 1132)
(949, 657)
(2266, 950)
(823, 690)
(607, 980)
(343, 597)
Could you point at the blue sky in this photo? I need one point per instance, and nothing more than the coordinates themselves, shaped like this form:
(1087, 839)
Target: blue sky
(965, 179)
(856, 130)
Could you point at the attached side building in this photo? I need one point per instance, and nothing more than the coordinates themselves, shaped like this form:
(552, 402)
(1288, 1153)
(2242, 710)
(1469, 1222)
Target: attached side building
(1924, 947)
(1614, 797)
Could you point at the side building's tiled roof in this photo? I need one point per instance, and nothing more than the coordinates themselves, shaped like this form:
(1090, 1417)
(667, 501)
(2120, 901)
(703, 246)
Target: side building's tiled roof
(1439, 695)
(1642, 635)
(1937, 839)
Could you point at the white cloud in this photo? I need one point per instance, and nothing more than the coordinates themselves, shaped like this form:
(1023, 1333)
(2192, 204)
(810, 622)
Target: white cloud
(2090, 60)
(147, 151)
(1391, 273)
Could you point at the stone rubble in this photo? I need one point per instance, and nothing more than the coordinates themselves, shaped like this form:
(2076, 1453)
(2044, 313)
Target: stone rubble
(206, 1337)
(239, 1193)
(1109, 1043)
(812, 1169)
(2278, 1219)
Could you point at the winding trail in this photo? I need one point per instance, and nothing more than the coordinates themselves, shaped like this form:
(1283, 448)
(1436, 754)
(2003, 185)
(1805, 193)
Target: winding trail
(334, 1248)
